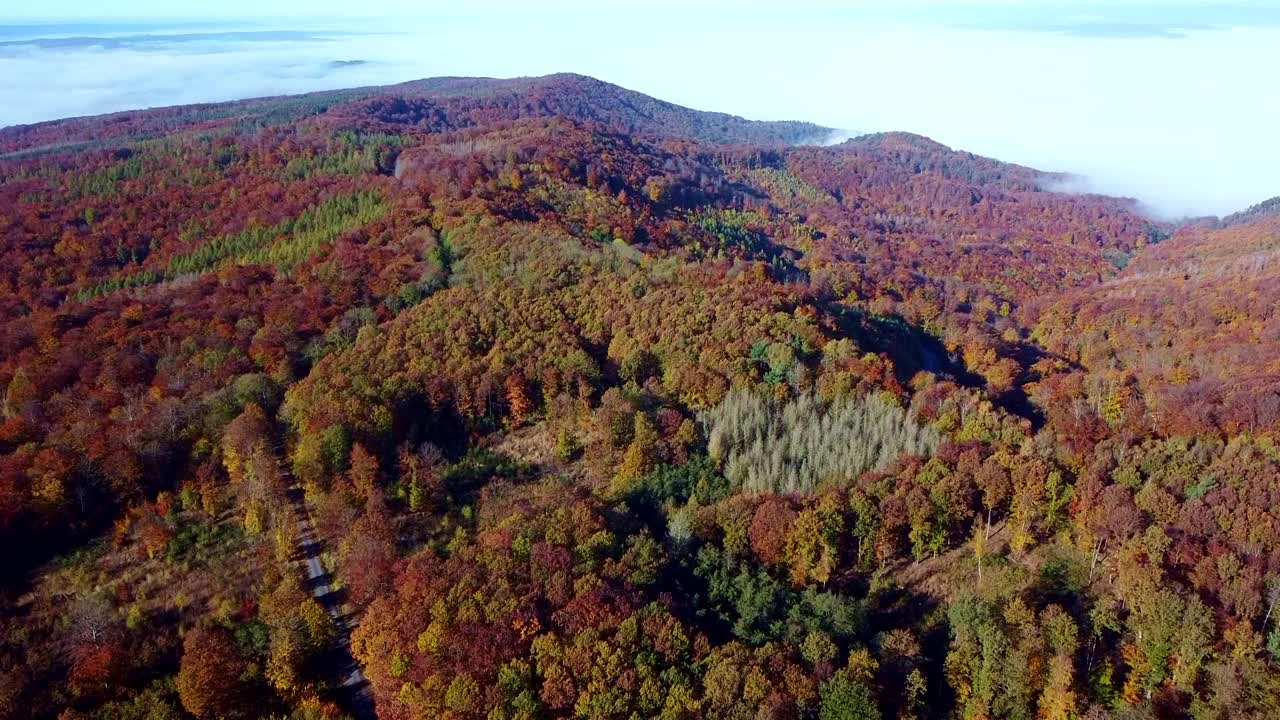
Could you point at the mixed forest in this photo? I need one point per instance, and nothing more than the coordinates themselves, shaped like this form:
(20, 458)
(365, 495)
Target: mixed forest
(591, 406)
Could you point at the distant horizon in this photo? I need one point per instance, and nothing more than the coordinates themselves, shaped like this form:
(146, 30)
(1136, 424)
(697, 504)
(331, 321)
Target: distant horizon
(1146, 100)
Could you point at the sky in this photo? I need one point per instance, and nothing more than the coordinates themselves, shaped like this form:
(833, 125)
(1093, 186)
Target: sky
(1169, 102)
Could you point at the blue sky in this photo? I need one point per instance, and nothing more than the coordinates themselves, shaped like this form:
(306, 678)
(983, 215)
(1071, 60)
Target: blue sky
(1170, 102)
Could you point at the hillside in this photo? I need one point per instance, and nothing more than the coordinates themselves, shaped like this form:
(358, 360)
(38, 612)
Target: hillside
(603, 407)
(1188, 334)
(1267, 208)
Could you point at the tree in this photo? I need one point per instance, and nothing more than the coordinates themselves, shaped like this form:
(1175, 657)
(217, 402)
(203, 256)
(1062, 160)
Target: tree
(242, 436)
(367, 555)
(463, 694)
(844, 698)
(300, 629)
(641, 454)
(363, 472)
(1272, 584)
(769, 529)
(812, 549)
(1156, 624)
(519, 403)
(321, 455)
(976, 660)
(996, 488)
(1194, 644)
(209, 683)
(260, 490)
(50, 474)
(1058, 701)
(420, 472)
(20, 394)
(1112, 516)
(284, 663)
(154, 531)
(1028, 504)
(95, 649)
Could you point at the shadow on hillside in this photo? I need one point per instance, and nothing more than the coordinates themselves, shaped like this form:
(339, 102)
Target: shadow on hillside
(912, 350)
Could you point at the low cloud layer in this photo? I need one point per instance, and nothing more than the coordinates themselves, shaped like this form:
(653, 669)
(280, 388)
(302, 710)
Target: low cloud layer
(1116, 20)
(53, 76)
(1176, 112)
(158, 41)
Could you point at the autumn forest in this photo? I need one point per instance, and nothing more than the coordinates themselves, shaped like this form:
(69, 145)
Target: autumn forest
(541, 398)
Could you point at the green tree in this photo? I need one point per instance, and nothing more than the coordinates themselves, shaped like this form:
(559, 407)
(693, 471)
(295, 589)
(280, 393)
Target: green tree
(463, 695)
(321, 455)
(844, 698)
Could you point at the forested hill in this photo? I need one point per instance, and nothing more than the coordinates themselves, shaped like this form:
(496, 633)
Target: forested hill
(1267, 208)
(433, 104)
(607, 408)
(586, 99)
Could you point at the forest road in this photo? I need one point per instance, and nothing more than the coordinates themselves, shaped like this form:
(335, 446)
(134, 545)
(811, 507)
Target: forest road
(352, 692)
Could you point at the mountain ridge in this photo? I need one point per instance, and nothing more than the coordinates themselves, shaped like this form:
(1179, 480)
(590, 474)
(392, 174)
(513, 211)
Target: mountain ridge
(598, 100)
(570, 95)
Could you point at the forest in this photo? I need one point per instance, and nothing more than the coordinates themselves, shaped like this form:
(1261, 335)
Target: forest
(587, 405)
